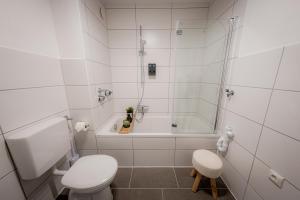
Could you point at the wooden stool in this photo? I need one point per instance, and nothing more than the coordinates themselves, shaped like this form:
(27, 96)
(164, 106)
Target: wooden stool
(206, 163)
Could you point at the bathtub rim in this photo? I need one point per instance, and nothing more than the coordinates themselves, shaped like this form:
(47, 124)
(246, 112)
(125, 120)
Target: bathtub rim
(105, 131)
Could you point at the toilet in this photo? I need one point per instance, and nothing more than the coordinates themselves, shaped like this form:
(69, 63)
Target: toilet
(37, 149)
(90, 178)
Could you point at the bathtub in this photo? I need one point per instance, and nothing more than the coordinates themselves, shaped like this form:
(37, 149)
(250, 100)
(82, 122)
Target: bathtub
(152, 143)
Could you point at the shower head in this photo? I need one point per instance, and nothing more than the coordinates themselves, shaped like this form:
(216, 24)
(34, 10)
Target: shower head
(179, 31)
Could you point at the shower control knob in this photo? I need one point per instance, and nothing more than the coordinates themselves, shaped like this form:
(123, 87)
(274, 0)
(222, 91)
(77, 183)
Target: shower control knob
(108, 92)
(229, 93)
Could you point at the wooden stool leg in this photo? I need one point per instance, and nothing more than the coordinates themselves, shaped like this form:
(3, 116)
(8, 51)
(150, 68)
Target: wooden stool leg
(196, 182)
(214, 188)
(193, 173)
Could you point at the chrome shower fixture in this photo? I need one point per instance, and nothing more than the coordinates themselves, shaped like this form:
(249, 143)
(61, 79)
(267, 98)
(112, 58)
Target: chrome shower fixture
(179, 31)
(229, 93)
(103, 94)
(142, 43)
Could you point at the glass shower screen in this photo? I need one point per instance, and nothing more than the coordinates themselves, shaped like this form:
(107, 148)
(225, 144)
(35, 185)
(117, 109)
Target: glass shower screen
(199, 49)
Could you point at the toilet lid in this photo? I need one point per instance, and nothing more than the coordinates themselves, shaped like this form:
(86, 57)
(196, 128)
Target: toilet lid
(90, 173)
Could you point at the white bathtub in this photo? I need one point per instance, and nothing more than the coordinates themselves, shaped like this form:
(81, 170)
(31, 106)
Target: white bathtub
(158, 125)
(151, 143)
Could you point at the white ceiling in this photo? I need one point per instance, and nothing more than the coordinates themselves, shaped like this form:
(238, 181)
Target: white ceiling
(163, 2)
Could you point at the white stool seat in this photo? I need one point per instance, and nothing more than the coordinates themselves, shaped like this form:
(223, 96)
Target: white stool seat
(91, 173)
(207, 163)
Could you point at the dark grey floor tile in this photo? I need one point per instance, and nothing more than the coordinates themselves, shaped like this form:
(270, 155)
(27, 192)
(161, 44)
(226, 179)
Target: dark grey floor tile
(153, 178)
(186, 181)
(187, 194)
(122, 178)
(183, 177)
(64, 195)
(137, 194)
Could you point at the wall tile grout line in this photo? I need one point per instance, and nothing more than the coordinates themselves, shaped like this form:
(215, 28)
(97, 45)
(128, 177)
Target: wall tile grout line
(292, 184)
(131, 173)
(175, 176)
(32, 87)
(265, 117)
(36, 121)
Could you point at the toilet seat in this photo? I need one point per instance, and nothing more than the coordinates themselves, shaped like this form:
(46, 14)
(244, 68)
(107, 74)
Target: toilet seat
(91, 174)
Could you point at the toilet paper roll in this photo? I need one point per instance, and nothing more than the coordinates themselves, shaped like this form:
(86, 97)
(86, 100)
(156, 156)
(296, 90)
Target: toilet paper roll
(82, 126)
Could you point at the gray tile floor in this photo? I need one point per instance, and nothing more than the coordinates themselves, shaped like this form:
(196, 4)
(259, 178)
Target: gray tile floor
(162, 184)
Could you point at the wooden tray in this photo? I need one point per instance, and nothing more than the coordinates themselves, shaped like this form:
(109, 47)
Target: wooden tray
(129, 129)
(126, 130)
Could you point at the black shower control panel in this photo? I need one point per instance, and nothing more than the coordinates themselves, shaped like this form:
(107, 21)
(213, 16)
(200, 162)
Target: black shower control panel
(151, 69)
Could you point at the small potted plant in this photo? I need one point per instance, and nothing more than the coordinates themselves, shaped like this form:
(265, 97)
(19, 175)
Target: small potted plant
(129, 112)
(126, 123)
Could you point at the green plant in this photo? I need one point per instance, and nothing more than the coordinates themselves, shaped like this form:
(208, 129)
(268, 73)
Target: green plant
(126, 123)
(129, 110)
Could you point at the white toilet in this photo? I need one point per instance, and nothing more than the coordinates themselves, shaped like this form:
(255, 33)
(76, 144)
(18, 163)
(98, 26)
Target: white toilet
(38, 148)
(90, 178)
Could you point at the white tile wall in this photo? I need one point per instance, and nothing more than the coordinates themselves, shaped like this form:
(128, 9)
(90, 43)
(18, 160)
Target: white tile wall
(154, 157)
(114, 143)
(256, 70)
(234, 180)
(21, 65)
(257, 37)
(96, 51)
(264, 112)
(74, 72)
(79, 97)
(195, 143)
(124, 74)
(123, 57)
(85, 141)
(124, 157)
(35, 104)
(153, 143)
(125, 90)
(122, 38)
(277, 150)
(287, 76)
(266, 189)
(251, 194)
(10, 187)
(284, 105)
(6, 165)
(156, 39)
(240, 159)
(154, 18)
(157, 31)
(38, 30)
(159, 56)
(183, 157)
(121, 18)
(246, 132)
(250, 102)
(32, 85)
(98, 73)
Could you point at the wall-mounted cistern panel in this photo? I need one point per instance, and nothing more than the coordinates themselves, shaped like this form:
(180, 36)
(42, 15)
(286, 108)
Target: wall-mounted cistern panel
(37, 148)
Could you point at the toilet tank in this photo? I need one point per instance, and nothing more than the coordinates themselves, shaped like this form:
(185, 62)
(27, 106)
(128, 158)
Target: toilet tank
(37, 148)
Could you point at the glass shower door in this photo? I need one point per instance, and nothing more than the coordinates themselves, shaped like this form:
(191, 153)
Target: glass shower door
(199, 52)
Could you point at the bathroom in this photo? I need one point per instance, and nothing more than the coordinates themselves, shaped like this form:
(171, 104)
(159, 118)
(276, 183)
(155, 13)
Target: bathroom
(219, 76)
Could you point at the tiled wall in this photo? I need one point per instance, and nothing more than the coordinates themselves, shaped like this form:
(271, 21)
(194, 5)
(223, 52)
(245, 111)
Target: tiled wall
(153, 151)
(158, 24)
(264, 113)
(82, 35)
(31, 85)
